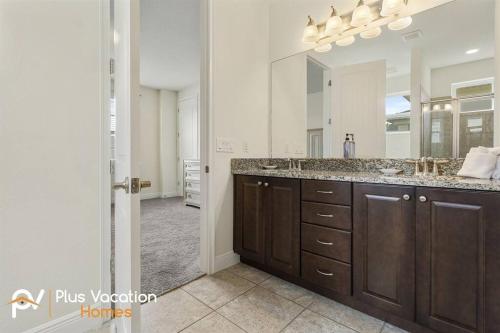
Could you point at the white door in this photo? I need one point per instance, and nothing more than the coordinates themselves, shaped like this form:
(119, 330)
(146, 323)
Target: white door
(188, 133)
(358, 107)
(127, 204)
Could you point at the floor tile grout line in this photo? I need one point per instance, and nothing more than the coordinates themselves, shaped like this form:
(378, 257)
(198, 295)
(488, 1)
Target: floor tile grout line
(188, 326)
(335, 321)
(217, 311)
(293, 319)
(232, 299)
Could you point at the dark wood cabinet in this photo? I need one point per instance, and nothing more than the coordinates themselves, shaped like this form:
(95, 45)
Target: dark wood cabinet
(282, 221)
(458, 265)
(426, 259)
(267, 222)
(384, 247)
(248, 226)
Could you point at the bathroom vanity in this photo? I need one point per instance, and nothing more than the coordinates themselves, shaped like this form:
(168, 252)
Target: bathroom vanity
(421, 253)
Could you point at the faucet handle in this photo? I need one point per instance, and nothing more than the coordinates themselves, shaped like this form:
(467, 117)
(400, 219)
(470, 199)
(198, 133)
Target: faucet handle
(300, 165)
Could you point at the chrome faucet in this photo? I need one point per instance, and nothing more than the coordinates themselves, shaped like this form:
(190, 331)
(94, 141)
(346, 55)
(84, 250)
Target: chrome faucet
(295, 165)
(424, 160)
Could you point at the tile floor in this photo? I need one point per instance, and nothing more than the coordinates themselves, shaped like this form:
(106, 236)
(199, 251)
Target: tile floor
(244, 299)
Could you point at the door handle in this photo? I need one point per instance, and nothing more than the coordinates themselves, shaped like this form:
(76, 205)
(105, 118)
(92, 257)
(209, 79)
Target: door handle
(323, 215)
(324, 192)
(124, 185)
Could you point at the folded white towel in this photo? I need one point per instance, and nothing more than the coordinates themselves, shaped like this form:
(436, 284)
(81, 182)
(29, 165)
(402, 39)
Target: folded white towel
(479, 164)
(496, 172)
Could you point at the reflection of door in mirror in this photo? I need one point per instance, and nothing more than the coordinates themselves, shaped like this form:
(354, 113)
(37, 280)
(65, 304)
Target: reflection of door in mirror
(315, 143)
(318, 106)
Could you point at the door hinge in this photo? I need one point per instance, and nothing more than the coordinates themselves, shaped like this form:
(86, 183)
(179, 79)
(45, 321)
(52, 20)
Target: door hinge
(207, 169)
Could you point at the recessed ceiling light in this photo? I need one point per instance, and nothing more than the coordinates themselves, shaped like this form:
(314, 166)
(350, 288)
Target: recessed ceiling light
(472, 51)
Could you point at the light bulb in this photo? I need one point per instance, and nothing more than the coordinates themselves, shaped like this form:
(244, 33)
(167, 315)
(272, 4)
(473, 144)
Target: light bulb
(346, 41)
(362, 15)
(371, 33)
(323, 48)
(310, 32)
(334, 24)
(400, 24)
(391, 7)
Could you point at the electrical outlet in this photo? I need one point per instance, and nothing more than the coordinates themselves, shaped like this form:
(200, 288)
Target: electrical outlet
(245, 147)
(225, 145)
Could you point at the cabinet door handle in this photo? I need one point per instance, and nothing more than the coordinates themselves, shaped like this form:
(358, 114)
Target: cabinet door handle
(266, 184)
(259, 183)
(323, 215)
(324, 243)
(422, 198)
(406, 197)
(323, 273)
(324, 192)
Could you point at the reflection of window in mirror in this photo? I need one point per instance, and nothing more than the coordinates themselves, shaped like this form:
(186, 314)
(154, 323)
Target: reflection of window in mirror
(397, 111)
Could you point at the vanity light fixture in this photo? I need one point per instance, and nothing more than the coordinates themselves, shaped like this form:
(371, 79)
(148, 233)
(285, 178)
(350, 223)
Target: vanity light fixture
(391, 7)
(311, 32)
(363, 20)
(346, 41)
(372, 33)
(400, 23)
(323, 48)
(362, 15)
(334, 24)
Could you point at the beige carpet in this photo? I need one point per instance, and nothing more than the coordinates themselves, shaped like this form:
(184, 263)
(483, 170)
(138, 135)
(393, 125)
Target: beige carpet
(170, 244)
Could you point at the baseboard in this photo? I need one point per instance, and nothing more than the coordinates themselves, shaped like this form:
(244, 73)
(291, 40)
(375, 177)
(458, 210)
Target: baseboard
(170, 194)
(226, 260)
(145, 196)
(72, 322)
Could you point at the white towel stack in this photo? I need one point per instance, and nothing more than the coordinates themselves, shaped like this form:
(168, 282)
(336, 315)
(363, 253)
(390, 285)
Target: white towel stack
(482, 163)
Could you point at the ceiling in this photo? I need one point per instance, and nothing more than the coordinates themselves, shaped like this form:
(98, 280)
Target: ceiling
(448, 31)
(170, 43)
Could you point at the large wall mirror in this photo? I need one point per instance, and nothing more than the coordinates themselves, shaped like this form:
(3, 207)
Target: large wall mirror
(426, 90)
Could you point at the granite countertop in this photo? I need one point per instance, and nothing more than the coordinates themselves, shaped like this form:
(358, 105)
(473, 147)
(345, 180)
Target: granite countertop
(455, 182)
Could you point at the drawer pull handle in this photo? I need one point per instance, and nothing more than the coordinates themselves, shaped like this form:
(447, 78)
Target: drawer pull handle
(323, 215)
(324, 192)
(324, 243)
(323, 273)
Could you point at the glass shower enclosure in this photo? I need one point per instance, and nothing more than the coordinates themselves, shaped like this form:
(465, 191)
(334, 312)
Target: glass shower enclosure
(451, 126)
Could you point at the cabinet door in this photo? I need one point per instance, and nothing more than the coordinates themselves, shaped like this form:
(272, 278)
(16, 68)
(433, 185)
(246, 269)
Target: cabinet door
(458, 265)
(384, 247)
(282, 219)
(249, 218)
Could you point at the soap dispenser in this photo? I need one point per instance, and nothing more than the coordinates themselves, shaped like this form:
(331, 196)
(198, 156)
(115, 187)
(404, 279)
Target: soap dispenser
(349, 146)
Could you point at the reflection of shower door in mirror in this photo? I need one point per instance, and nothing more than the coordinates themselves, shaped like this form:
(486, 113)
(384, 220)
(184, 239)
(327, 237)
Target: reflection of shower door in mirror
(451, 127)
(315, 143)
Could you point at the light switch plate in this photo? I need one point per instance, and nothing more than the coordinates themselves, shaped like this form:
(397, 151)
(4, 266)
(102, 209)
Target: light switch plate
(225, 145)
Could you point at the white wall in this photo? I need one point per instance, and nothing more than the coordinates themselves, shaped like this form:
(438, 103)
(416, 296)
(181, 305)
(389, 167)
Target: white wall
(168, 143)
(397, 144)
(240, 101)
(150, 142)
(50, 130)
(397, 84)
(443, 77)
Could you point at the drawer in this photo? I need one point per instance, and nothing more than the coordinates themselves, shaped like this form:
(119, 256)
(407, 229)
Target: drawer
(193, 198)
(327, 215)
(192, 174)
(193, 185)
(331, 243)
(327, 191)
(327, 273)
